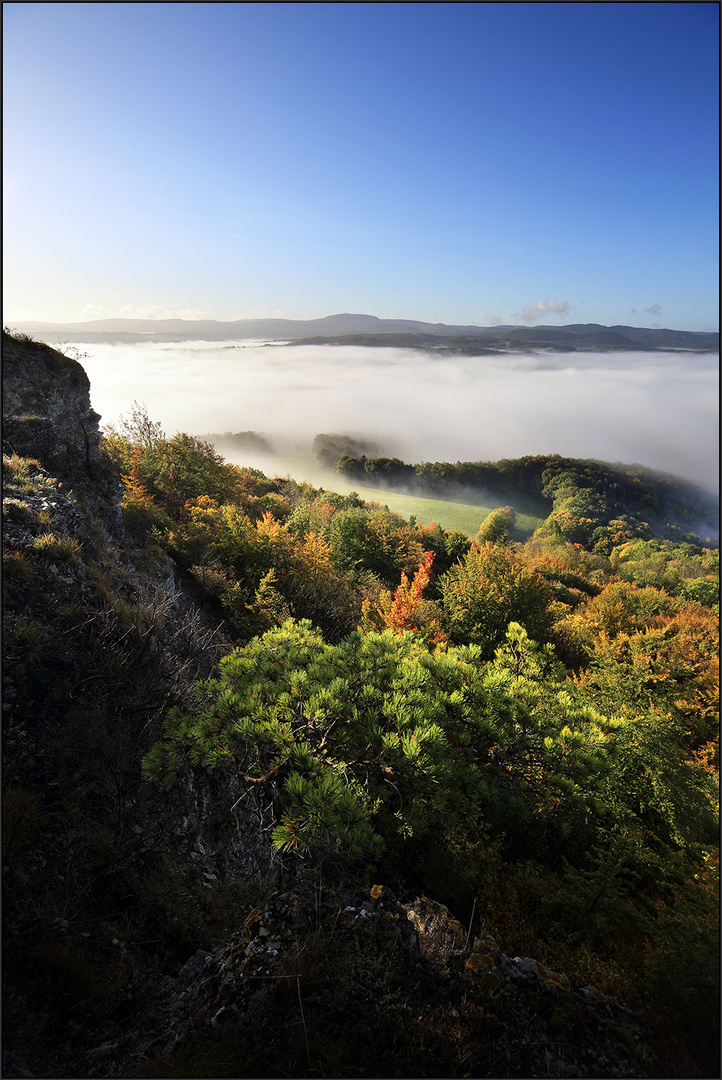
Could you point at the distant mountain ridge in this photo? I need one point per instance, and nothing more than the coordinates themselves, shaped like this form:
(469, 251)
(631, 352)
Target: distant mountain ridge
(369, 330)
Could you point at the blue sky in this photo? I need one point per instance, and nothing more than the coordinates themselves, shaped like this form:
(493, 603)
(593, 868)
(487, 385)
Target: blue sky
(457, 163)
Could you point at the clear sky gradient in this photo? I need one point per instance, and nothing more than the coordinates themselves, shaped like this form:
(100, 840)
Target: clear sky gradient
(456, 163)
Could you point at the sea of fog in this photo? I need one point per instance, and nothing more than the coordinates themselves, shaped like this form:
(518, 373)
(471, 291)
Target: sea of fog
(656, 409)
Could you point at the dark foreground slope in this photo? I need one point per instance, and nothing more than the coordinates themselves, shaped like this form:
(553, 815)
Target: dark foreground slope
(152, 929)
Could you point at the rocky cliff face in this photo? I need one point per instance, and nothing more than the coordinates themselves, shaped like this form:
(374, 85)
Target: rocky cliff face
(148, 933)
(99, 639)
(46, 408)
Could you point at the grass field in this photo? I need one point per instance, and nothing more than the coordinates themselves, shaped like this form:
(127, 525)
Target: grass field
(449, 513)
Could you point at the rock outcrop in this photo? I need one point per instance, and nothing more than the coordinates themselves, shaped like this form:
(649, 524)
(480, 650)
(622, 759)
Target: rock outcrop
(404, 988)
(46, 408)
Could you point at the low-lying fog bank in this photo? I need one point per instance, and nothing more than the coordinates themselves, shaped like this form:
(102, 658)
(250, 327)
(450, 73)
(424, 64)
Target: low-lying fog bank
(657, 409)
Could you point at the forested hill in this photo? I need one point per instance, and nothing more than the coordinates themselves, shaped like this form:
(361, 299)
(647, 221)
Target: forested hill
(293, 786)
(598, 504)
(473, 341)
(349, 329)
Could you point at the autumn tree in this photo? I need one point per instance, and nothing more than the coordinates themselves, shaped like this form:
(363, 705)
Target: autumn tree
(486, 590)
(405, 609)
(141, 514)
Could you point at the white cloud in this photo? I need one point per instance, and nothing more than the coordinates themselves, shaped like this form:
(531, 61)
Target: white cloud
(655, 309)
(533, 312)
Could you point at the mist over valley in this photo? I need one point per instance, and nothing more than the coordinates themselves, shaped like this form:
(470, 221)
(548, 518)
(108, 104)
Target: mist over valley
(658, 409)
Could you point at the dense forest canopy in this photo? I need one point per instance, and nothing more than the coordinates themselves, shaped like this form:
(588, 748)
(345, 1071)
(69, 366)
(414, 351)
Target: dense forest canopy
(582, 495)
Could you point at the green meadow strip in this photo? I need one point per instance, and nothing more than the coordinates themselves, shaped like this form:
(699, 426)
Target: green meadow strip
(450, 514)
(466, 517)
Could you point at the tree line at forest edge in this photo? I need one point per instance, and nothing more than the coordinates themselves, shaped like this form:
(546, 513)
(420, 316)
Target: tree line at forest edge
(531, 728)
